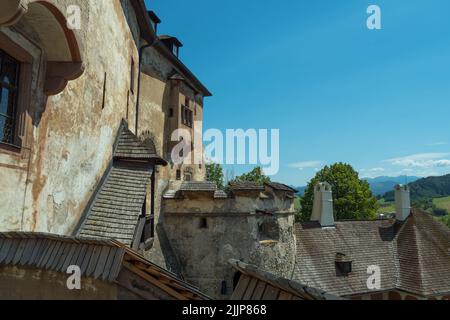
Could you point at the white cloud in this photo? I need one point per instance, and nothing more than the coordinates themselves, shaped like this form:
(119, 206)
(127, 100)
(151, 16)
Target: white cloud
(436, 144)
(371, 173)
(306, 164)
(422, 160)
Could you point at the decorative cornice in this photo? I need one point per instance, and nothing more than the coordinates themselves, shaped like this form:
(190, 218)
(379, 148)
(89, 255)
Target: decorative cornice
(59, 74)
(11, 11)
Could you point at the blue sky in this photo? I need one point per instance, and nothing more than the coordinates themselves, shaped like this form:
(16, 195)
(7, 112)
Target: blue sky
(377, 99)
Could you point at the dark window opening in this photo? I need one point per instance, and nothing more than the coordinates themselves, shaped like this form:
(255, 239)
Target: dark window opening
(203, 223)
(224, 288)
(343, 265)
(187, 116)
(178, 175)
(132, 76)
(104, 91)
(171, 113)
(236, 278)
(176, 50)
(9, 90)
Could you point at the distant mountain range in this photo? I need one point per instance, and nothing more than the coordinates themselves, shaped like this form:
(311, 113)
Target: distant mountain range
(426, 188)
(379, 186)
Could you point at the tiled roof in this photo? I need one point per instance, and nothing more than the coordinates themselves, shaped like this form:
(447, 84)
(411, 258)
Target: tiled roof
(412, 256)
(101, 260)
(220, 194)
(256, 284)
(246, 186)
(128, 146)
(195, 186)
(423, 250)
(115, 209)
(281, 187)
(170, 194)
(97, 259)
(118, 205)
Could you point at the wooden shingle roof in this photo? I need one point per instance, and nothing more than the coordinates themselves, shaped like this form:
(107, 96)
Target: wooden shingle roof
(255, 284)
(246, 186)
(98, 259)
(413, 256)
(118, 204)
(281, 187)
(198, 186)
(129, 147)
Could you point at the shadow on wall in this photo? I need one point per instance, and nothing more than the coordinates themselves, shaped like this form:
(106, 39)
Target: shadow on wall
(170, 258)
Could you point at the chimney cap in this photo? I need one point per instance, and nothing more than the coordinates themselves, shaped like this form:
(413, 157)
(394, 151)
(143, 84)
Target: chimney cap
(323, 186)
(402, 186)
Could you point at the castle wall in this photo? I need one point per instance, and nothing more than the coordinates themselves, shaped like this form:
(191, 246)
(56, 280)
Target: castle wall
(205, 233)
(46, 184)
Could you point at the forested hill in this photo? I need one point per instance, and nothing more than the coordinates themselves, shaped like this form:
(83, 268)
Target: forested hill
(432, 187)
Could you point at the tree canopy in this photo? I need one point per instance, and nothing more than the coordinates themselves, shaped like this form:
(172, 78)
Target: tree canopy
(352, 196)
(214, 173)
(256, 175)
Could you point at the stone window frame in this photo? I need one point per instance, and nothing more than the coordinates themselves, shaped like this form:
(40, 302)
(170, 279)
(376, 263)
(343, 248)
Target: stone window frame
(22, 128)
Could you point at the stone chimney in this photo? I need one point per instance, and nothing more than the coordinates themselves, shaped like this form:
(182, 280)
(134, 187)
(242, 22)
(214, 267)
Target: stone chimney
(402, 202)
(323, 205)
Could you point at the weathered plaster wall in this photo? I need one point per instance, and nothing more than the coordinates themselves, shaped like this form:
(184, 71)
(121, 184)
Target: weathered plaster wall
(158, 96)
(73, 132)
(233, 231)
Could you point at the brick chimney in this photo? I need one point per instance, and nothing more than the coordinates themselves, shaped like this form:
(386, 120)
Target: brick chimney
(323, 205)
(402, 202)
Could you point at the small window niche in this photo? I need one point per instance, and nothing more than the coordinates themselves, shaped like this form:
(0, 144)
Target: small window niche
(132, 76)
(203, 223)
(343, 265)
(269, 231)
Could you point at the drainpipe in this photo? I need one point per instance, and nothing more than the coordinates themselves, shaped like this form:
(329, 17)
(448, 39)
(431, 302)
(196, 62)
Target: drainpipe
(141, 52)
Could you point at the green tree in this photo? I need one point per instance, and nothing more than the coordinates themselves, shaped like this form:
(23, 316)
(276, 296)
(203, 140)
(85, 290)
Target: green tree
(214, 173)
(352, 196)
(445, 220)
(256, 175)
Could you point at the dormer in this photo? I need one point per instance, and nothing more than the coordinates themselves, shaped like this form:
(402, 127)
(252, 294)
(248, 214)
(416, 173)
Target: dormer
(172, 43)
(155, 20)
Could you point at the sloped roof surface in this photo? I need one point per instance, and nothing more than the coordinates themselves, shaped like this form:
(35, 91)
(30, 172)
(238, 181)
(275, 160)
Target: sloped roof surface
(98, 259)
(413, 256)
(246, 186)
(281, 187)
(256, 284)
(118, 205)
(423, 249)
(202, 186)
(129, 147)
